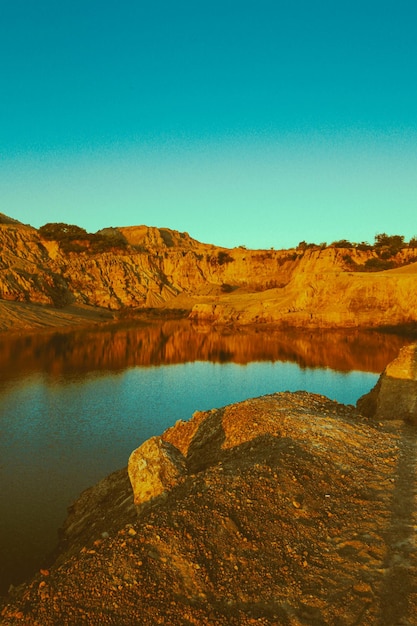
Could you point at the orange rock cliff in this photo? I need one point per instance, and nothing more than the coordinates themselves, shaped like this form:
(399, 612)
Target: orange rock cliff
(143, 267)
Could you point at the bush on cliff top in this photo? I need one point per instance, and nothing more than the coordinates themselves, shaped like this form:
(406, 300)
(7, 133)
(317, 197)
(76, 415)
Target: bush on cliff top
(72, 238)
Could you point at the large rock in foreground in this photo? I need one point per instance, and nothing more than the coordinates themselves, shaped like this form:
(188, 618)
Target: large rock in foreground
(292, 509)
(395, 394)
(154, 469)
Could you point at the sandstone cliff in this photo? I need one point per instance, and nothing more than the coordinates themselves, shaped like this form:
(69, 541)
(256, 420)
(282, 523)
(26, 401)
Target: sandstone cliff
(286, 509)
(324, 300)
(140, 267)
(395, 394)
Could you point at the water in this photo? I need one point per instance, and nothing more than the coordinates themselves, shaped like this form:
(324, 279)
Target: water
(74, 406)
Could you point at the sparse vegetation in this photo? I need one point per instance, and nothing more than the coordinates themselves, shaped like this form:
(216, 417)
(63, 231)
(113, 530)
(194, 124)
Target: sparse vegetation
(221, 258)
(290, 256)
(386, 249)
(342, 243)
(363, 246)
(72, 238)
(377, 265)
(224, 257)
(226, 288)
(349, 261)
(303, 245)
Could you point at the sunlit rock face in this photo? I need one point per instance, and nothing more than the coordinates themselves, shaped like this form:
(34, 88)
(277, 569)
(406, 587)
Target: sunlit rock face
(395, 394)
(154, 468)
(156, 267)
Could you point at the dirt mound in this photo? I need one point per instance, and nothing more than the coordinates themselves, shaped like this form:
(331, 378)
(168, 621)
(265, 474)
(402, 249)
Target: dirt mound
(293, 510)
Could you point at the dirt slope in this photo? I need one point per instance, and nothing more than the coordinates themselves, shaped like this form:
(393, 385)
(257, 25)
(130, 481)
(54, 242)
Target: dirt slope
(294, 510)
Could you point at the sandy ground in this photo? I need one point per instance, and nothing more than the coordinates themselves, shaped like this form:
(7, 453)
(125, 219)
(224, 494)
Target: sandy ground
(21, 316)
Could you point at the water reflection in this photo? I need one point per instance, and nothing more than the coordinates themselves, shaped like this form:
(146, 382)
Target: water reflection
(172, 342)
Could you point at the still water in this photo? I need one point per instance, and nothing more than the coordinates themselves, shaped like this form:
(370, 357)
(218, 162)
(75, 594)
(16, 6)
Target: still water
(73, 406)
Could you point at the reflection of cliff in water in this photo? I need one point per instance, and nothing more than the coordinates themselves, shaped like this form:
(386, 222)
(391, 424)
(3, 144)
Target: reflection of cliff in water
(173, 342)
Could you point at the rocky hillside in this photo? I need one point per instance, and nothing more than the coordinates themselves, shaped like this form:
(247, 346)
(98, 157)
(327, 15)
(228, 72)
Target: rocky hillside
(285, 509)
(395, 394)
(126, 269)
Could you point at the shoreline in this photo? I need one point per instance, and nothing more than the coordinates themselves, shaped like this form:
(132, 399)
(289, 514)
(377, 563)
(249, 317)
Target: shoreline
(28, 317)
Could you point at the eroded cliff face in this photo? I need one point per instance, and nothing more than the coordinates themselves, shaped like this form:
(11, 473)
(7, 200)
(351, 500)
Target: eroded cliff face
(395, 394)
(155, 266)
(26, 271)
(162, 268)
(320, 293)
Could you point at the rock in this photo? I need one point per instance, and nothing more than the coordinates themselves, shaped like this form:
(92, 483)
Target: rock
(154, 468)
(395, 394)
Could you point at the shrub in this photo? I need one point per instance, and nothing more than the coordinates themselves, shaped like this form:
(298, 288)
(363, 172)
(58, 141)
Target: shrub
(72, 238)
(348, 260)
(390, 241)
(224, 257)
(60, 231)
(226, 288)
(342, 243)
(364, 245)
(303, 245)
(377, 265)
(387, 246)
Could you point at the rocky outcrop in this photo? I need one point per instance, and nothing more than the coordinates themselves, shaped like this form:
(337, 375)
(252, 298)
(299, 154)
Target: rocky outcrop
(26, 272)
(154, 469)
(329, 298)
(395, 394)
(152, 268)
(288, 508)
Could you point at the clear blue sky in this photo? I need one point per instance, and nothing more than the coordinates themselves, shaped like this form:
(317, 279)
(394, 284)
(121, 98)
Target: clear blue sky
(258, 123)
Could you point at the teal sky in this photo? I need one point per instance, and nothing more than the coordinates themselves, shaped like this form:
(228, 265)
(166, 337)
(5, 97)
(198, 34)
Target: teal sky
(258, 123)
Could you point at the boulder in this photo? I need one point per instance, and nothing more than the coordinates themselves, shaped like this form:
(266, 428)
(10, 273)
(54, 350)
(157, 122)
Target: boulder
(154, 468)
(395, 394)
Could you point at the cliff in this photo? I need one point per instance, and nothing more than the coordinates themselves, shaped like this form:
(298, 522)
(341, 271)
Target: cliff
(285, 509)
(395, 394)
(123, 270)
(321, 293)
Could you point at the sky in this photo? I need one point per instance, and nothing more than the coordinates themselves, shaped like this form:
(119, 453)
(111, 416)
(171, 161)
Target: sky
(260, 123)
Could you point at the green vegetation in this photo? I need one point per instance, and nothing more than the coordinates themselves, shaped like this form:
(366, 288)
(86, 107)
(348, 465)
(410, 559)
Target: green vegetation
(303, 245)
(342, 243)
(377, 265)
(220, 258)
(383, 244)
(72, 238)
(226, 288)
(386, 249)
(224, 257)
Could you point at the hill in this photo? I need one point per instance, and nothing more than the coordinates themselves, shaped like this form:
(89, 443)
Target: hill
(119, 271)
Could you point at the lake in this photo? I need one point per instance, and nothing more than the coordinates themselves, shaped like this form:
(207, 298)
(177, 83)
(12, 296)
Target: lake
(74, 405)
